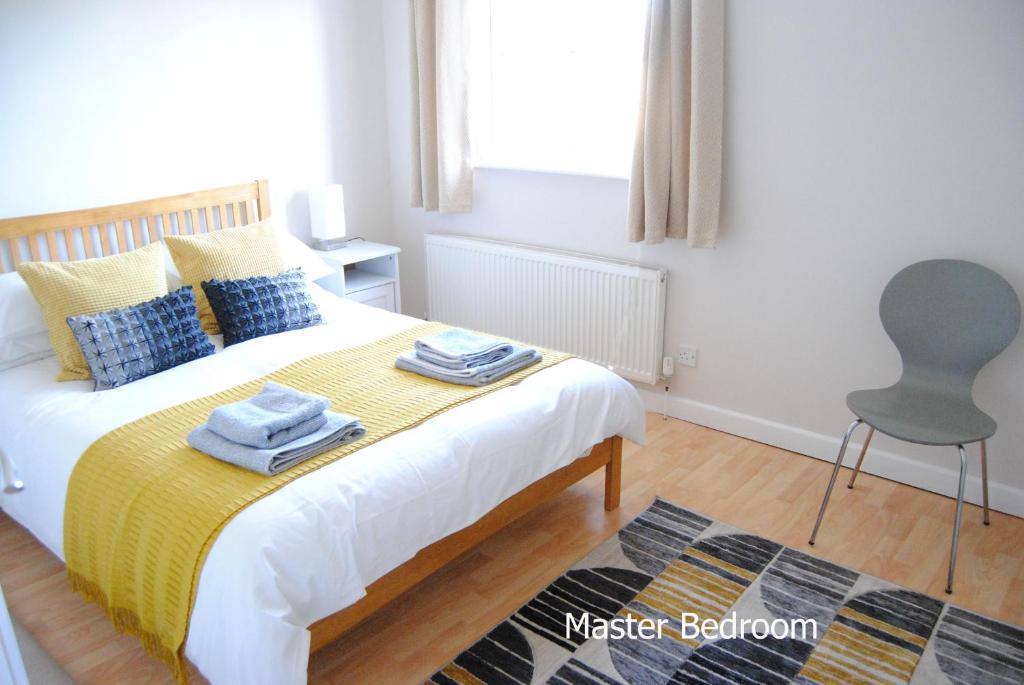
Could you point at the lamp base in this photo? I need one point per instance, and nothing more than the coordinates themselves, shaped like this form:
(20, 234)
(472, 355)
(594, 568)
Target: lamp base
(332, 244)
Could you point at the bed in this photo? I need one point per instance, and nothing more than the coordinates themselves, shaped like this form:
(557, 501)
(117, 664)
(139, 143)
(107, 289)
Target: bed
(297, 569)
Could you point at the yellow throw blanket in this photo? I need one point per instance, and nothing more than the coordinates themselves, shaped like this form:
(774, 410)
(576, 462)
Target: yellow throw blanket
(143, 508)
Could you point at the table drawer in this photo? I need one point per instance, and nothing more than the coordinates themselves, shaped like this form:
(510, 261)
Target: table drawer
(381, 296)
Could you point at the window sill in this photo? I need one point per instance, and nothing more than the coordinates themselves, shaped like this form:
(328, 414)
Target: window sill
(541, 170)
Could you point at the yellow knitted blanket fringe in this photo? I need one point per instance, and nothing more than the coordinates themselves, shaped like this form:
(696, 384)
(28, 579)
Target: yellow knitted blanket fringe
(143, 508)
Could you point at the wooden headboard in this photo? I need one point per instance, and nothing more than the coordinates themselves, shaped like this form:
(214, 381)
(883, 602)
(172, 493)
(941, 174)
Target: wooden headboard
(87, 233)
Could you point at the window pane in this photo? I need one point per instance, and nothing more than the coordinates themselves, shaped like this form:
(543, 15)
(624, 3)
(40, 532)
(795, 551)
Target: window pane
(563, 84)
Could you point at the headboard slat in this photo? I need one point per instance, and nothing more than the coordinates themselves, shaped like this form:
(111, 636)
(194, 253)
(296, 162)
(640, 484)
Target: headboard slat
(122, 242)
(35, 229)
(104, 238)
(90, 250)
(135, 226)
(263, 198)
(51, 245)
(69, 243)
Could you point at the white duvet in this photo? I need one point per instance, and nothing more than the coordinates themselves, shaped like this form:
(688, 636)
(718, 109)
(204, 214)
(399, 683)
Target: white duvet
(311, 548)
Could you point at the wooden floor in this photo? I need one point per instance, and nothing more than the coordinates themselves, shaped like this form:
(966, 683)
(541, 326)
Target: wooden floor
(882, 528)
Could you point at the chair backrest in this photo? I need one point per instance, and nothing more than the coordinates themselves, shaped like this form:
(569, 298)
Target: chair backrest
(948, 318)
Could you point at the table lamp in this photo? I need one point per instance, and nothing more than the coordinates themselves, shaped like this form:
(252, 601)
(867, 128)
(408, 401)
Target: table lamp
(327, 216)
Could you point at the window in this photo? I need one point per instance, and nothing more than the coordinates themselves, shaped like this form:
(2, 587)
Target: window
(556, 84)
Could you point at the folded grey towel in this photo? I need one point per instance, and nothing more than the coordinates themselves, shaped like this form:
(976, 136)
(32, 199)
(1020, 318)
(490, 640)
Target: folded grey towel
(457, 348)
(494, 356)
(338, 429)
(274, 416)
(521, 357)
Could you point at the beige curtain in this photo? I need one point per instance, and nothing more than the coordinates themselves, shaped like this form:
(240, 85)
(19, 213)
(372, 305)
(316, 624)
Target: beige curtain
(442, 176)
(675, 185)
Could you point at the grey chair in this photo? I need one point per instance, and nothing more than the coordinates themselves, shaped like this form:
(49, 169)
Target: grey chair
(948, 318)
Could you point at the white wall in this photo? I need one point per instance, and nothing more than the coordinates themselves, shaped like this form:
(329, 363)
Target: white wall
(859, 137)
(113, 100)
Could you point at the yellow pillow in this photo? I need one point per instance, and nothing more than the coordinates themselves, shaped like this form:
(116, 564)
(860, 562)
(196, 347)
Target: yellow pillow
(65, 289)
(227, 254)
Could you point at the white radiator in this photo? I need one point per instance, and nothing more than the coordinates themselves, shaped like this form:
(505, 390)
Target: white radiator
(607, 311)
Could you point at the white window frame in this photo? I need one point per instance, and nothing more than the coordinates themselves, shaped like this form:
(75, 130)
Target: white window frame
(486, 154)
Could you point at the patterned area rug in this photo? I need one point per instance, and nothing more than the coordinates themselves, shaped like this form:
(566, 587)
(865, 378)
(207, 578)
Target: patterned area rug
(673, 565)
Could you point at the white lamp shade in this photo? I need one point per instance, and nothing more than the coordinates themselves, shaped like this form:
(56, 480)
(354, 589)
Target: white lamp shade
(327, 211)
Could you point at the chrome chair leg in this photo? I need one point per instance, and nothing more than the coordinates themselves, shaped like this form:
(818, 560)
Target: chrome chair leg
(956, 521)
(984, 477)
(860, 458)
(832, 480)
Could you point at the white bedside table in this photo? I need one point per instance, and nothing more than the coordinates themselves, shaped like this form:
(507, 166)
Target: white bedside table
(365, 272)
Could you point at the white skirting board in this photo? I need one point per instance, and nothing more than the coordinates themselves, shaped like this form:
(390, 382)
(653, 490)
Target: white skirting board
(924, 475)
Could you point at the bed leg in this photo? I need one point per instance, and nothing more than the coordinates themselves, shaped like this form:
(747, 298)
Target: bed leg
(9, 478)
(613, 475)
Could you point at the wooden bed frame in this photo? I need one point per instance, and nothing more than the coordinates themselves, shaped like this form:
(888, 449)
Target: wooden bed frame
(102, 231)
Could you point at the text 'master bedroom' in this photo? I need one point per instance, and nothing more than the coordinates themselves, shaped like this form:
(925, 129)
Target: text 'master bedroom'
(508, 342)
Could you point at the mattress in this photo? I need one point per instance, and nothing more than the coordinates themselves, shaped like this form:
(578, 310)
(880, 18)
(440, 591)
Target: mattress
(311, 548)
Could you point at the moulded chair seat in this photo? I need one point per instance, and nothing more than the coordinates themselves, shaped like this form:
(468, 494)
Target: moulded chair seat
(919, 414)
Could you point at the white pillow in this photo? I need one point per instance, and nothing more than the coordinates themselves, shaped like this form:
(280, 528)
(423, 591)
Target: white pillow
(23, 336)
(173, 277)
(297, 253)
(332, 308)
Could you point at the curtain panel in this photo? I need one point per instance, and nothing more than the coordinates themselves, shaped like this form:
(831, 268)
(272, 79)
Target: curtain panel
(442, 175)
(675, 182)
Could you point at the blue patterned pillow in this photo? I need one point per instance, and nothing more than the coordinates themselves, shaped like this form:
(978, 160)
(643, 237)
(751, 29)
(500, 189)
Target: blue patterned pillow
(124, 345)
(262, 305)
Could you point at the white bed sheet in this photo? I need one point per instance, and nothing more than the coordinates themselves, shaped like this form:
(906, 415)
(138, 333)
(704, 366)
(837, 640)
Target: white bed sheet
(311, 548)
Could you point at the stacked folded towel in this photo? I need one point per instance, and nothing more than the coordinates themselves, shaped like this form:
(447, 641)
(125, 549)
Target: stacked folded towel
(460, 356)
(274, 430)
(458, 348)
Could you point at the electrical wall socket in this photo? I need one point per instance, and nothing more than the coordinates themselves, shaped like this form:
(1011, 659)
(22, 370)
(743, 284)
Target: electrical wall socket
(687, 355)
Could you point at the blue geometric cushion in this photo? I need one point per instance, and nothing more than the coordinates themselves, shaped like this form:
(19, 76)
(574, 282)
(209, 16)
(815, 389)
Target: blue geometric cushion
(262, 305)
(124, 345)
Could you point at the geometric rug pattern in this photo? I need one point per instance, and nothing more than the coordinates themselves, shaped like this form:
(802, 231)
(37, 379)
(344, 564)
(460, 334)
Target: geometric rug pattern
(670, 562)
